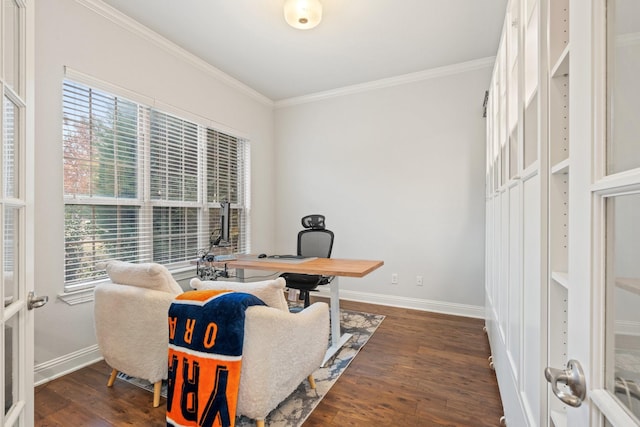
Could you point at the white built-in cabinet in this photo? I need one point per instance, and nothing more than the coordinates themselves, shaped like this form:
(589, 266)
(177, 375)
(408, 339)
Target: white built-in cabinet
(527, 208)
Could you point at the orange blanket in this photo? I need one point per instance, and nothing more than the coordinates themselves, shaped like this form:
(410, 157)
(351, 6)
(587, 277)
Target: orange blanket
(206, 332)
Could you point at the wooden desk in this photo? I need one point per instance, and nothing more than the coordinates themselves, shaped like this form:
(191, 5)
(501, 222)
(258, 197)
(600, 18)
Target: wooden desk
(324, 266)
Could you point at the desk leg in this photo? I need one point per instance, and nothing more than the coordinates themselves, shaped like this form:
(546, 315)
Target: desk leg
(337, 340)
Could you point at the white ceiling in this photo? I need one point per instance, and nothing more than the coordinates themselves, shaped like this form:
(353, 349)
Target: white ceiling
(358, 41)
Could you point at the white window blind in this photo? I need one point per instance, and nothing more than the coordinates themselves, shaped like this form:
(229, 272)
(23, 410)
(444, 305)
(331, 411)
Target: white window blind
(142, 185)
(174, 158)
(227, 165)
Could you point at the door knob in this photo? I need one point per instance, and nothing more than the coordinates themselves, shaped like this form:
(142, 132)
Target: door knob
(573, 377)
(34, 301)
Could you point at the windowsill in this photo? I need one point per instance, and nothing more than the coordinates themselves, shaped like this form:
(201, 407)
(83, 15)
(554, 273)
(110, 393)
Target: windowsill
(77, 297)
(85, 295)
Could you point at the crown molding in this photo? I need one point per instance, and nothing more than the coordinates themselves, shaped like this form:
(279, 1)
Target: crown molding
(133, 26)
(129, 24)
(390, 82)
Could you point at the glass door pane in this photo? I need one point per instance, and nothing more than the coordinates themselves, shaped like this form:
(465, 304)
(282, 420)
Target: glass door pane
(623, 88)
(11, 45)
(11, 157)
(11, 360)
(623, 300)
(10, 276)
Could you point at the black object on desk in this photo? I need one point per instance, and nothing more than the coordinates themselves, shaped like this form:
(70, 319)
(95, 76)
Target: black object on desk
(282, 256)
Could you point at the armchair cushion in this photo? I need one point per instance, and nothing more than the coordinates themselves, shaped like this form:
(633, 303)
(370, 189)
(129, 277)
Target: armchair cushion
(296, 344)
(271, 292)
(148, 275)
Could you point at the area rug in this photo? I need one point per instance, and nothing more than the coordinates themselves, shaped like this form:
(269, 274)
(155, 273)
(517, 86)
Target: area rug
(294, 410)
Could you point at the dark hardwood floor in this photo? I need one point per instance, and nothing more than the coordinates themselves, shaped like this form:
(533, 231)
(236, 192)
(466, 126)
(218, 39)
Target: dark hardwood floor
(418, 369)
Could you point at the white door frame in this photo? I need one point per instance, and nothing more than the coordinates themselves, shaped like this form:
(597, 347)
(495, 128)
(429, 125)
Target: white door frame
(588, 190)
(21, 356)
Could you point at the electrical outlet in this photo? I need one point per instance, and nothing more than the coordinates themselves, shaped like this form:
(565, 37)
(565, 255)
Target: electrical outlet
(419, 281)
(394, 278)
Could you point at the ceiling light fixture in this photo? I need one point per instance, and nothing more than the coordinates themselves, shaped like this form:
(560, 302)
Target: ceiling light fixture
(302, 14)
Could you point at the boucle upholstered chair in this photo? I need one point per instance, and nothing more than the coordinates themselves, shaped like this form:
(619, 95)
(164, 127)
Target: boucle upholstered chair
(131, 320)
(280, 348)
(131, 326)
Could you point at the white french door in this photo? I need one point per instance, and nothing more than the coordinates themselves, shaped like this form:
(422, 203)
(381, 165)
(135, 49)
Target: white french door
(16, 213)
(603, 298)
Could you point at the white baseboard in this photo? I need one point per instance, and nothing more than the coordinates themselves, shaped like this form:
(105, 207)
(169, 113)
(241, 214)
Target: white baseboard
(412, 303)
(52, 369)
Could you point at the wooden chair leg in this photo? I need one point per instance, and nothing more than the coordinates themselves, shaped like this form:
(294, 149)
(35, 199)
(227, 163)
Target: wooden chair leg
(157, 387)
(112, 377)
(259, 423)
(312, 382)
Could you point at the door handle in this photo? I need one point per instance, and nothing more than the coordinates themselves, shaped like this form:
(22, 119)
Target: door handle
(573, 377)
(34, 301)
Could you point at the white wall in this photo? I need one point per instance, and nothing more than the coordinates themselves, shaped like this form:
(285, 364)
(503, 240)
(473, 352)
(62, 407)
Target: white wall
(68, 33)
(399, 174)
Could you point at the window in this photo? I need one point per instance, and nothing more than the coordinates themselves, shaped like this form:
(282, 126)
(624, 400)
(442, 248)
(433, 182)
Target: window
(142, 185)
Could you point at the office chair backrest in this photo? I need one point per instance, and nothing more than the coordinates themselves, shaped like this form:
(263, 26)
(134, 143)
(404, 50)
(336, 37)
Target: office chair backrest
(314, 221)
(315, 243)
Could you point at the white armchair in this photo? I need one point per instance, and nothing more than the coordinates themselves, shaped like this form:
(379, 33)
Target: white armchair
(280, 348)
(131, 320)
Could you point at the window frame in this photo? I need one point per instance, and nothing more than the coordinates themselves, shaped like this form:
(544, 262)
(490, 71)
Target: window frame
(143, 199)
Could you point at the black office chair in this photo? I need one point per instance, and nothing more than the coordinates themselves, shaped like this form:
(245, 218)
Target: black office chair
(313, 241)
